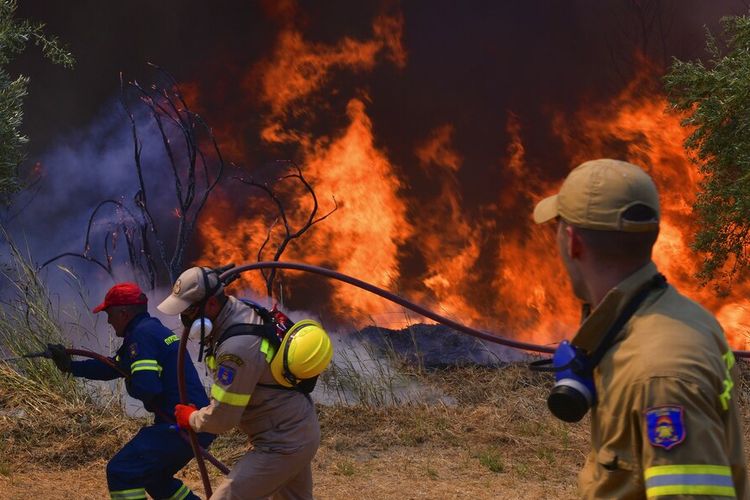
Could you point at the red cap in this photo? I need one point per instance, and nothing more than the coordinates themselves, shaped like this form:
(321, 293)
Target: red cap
(122, 294)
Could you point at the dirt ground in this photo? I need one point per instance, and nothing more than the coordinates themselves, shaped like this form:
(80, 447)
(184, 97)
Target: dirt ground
(417, 473)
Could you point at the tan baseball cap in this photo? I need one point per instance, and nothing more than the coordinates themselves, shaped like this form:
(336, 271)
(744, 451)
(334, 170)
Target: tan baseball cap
(189, 289)
(596, 194)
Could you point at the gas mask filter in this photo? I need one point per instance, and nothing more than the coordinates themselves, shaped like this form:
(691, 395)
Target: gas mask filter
(574, 392)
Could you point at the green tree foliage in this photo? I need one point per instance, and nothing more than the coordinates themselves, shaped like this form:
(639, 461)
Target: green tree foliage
(15, 35)
(715, 99)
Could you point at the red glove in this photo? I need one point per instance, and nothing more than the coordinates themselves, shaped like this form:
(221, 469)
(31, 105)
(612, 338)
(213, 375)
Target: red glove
(182, 415)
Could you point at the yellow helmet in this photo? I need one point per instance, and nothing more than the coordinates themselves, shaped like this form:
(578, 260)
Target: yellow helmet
(304, 353)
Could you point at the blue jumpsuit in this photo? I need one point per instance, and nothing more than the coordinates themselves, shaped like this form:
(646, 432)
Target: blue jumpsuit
(148, 462)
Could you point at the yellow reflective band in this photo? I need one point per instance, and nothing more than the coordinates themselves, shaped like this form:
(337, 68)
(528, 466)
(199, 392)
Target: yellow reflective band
(230, 398)
(695, 479)
(726, 395)
(134, 494)
(663, 470)
(182, 492)
(211, 362)
(691, 489)
(267, 349)
(145, 364)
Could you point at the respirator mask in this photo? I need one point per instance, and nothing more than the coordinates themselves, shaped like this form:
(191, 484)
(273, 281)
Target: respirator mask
(574, 392)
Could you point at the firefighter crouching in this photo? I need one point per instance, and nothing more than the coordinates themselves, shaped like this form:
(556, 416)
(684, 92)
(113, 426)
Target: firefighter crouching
(148, 462)
(276, 413)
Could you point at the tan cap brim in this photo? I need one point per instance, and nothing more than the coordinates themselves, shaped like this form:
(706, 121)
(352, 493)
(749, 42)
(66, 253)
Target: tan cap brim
(546, 210)
(173, 305)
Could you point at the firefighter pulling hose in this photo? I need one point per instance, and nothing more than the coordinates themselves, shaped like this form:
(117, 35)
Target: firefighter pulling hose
(264, 367)
(47, 354)
(148, 356)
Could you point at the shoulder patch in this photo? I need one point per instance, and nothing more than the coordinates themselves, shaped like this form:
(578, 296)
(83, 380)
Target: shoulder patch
(230, 358)
(171, 339)
(665, 426)
(225, 375)
(133, 349)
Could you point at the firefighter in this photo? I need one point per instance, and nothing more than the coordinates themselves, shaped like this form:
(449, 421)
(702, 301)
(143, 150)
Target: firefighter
(148, 462)
(662, 379)
(279, 419)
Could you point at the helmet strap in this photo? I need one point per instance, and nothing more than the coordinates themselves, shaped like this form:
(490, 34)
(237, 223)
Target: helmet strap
(288, 375)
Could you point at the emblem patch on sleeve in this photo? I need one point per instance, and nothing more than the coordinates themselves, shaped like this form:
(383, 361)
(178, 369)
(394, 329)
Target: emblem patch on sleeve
(665, 426)
(133, 350)
(225, 375)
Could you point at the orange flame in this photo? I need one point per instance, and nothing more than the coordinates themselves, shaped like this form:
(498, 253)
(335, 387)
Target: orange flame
(488, 268)
(649, 135)
(449, 244)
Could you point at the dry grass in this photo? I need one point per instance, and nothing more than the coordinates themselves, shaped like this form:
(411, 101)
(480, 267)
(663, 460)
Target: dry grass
(499, 425)
(497, 441)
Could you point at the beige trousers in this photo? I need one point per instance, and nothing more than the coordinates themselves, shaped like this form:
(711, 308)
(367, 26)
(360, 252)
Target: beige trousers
(262, 474)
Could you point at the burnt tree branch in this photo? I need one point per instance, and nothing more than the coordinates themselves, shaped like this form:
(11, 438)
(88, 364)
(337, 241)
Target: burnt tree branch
(182, 136)
(290, 234)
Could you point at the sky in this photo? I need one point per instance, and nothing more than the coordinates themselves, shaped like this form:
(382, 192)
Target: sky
(446, 94)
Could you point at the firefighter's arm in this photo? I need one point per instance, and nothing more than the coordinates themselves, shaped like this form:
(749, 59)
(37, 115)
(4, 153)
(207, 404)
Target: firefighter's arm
(93, 369)
(145, 369)
(682, 436)
(238, 371)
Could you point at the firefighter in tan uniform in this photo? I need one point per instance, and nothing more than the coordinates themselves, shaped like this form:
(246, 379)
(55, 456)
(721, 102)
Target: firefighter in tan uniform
(654, 365)
(280, 422)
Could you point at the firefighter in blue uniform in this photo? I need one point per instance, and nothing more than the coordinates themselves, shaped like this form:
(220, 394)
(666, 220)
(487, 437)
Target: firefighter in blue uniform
(148, 462)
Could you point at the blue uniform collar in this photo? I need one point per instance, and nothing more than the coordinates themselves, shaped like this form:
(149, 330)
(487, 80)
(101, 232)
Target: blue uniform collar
(135, 322)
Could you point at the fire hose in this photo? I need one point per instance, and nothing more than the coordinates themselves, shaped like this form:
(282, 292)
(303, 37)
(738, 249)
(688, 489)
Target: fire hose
(497, 339)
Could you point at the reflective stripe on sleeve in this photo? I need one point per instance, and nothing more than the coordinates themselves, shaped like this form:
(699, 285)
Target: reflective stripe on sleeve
(689, 480)
(230, 398)
(145, 364)
(181, 493)
(134, 494)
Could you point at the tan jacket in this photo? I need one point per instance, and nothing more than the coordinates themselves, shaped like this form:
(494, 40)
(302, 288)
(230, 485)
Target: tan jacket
(276, 420)
(666, 420)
